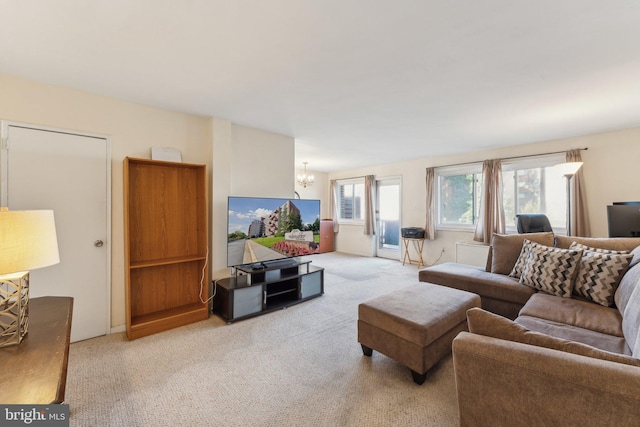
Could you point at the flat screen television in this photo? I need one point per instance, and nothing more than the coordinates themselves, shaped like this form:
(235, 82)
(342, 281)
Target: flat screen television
(624, 219)
(264, 230)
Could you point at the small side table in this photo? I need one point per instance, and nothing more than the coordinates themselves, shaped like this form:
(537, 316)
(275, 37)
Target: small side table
(34, 372)
(419, 245)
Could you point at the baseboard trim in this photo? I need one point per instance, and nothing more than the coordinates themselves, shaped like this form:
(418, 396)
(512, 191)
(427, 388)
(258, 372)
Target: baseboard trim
(118, 329)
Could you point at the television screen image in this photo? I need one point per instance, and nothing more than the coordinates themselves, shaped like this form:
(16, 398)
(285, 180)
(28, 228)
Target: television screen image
(268, 229)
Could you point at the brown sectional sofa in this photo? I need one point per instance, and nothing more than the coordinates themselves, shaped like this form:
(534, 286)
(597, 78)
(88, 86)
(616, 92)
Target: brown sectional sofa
(563, 361)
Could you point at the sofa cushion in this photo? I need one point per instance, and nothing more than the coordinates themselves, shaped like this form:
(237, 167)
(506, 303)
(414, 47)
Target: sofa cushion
(613, 243)
(551, 270)
(475, 279)
(488, 324)
(574, 312)
(505, 249)
(636, 257)
(573, 333)
(599, 276)
(628, 283)
(631, 322)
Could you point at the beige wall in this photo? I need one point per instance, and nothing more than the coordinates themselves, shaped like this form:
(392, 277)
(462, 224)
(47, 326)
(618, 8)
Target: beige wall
(261, 163)
(610, 170)
(246, 162)
(610, 165)
(319, 190)
(132, 130)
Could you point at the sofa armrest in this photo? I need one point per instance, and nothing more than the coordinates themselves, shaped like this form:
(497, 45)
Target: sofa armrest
(504, 383)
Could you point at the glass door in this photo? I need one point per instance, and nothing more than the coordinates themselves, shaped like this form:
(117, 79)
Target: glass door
(388, 218)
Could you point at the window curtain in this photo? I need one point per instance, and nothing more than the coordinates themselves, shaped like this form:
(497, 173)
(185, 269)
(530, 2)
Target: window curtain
(369, 214)
(491, 218)
(430, 224)
(333, 204)
(579, 214)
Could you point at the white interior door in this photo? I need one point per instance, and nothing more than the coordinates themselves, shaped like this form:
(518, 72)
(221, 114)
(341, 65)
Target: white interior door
(388, 217)
(68, 173)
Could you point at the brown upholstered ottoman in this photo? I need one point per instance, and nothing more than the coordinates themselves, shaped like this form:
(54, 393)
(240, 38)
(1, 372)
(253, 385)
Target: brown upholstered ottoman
(414, 325)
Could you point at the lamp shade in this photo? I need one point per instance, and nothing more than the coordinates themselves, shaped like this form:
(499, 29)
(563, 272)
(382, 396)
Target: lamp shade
(27, 240)
(569, 168)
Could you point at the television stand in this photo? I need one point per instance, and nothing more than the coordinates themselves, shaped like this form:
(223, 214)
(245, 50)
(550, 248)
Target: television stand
(275, 286)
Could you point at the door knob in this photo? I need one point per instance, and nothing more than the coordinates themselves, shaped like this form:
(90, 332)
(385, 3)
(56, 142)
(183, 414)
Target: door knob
(98, 243)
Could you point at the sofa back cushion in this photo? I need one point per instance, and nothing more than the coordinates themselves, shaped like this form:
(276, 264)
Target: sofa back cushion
(506, 248)
(482, 322)
(628, 283)
(631, 314)
(612, 243)
(636, 256)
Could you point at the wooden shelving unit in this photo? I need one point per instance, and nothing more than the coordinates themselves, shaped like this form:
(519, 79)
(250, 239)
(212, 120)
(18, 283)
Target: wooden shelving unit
(326, 236)
(165, 245)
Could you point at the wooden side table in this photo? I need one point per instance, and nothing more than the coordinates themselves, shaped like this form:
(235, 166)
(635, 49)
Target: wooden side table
(419, 245)
(35, 371)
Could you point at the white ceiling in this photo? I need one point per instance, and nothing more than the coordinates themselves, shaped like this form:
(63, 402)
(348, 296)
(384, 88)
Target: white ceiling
(356, 82)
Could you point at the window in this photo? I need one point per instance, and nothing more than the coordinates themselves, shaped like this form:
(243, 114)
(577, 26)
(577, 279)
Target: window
(350, 200)
(534, 185)
(458, 196)
(530, 185)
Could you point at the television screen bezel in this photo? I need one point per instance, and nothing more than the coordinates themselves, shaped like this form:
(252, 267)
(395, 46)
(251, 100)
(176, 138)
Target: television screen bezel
(281, 200)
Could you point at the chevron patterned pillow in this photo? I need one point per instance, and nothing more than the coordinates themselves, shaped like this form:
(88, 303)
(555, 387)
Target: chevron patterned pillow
(576, 245)
(522, 259)
(599, 276)
(551, 270)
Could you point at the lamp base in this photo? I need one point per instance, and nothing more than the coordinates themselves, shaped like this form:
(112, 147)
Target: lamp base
(14, 308)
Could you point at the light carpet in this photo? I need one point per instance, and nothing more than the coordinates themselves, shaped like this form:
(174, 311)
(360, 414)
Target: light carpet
(301, 366)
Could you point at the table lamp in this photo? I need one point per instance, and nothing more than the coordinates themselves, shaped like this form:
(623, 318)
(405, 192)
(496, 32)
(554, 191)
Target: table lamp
(27, 242)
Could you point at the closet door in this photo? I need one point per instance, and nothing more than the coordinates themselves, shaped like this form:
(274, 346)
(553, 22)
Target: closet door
(68, 173)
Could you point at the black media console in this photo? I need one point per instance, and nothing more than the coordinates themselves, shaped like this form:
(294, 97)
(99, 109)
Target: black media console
(260, 288)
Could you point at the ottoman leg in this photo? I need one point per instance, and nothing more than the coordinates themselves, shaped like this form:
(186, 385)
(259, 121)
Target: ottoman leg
(366, 350)
(418, 378)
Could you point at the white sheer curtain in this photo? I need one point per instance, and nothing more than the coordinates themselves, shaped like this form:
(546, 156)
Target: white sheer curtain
(491, 218)
(369, 209)
(333, 204)
(579, 213)
(430, 224)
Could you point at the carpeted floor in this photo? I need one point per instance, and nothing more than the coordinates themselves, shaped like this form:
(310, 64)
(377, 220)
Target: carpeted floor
(301, 366)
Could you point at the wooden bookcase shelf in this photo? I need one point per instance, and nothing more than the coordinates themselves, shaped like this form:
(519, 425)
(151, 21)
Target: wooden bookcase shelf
(157, 262)
(165, 245)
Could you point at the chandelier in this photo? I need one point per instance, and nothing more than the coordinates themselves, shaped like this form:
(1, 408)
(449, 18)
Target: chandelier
(305, 179)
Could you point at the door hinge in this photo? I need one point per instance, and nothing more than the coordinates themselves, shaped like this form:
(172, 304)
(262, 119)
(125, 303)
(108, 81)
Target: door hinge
(4, 145)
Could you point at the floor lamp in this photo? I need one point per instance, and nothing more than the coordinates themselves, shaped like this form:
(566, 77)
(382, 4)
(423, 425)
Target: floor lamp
(27, 241)
(569, 169)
